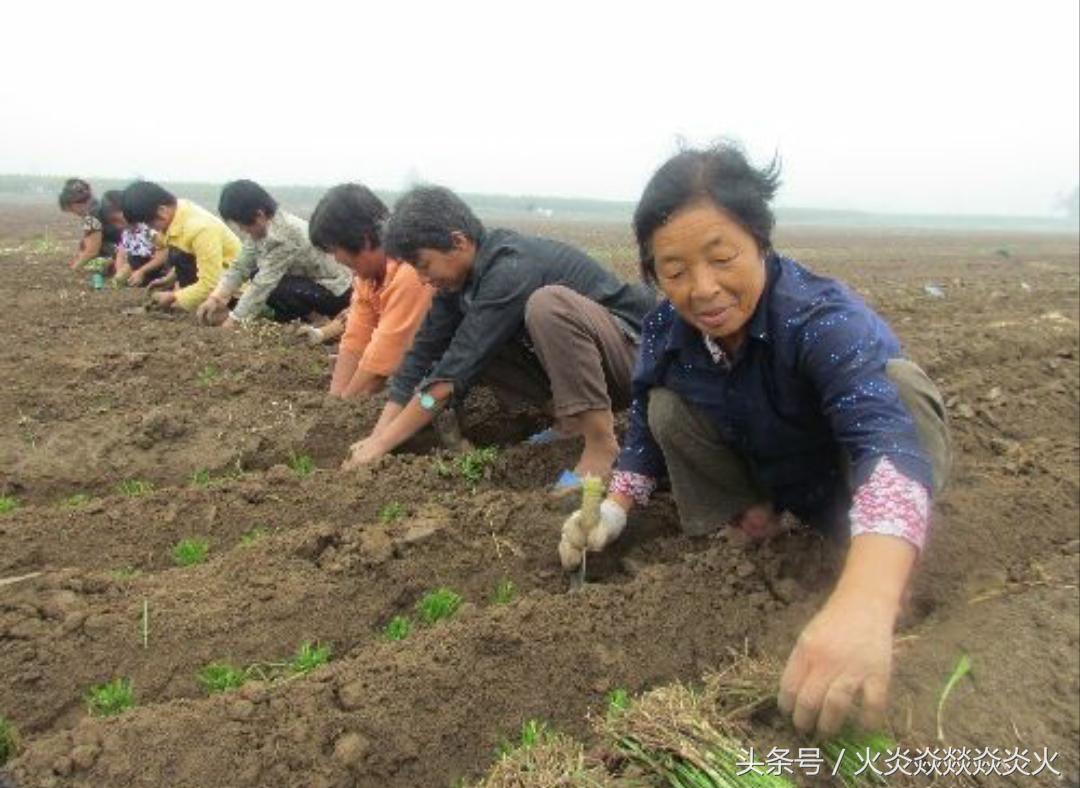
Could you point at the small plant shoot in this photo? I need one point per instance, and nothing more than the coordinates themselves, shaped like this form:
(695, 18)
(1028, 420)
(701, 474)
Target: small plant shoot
(437, 605)
(505, 592)
(392, 512)
(9, 741)
(221, 677)
(190, 552)
(308, 657)
(302, 465)
(133, 488)
(399, 628)
(109, 699)
(8, 503)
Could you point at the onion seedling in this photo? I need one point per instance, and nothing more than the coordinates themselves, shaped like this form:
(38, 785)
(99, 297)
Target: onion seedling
(505, 592)
(111, 698)
(474, 465)
(76, 500)
(392, 512)
(851, 751)
(308, 657)
(399, 628)
(302, 465)
(133, 488)
(9, 740)
(221, 677)
(437, 605)
(252, 536)
(190, 552)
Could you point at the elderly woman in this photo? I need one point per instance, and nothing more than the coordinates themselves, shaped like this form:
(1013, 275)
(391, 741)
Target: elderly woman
(762, 387)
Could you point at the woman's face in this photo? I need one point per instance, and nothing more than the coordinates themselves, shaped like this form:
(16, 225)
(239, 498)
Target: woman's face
(80, 209)
(711, 270)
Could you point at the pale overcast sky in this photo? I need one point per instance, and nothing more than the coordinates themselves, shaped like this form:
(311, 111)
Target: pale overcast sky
(936, 106)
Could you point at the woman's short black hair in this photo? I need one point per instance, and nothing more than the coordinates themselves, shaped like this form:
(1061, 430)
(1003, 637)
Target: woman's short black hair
(142, 199)
(425, 218)
(112, 201)
(721, 174)
(74, 190)
(350, 217)
(241, 200)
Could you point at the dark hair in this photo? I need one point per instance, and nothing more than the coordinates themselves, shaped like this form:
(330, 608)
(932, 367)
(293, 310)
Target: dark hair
(142, 199)
(74, 190)
(241, 200)
(721, 174)
(350, 217)
(424, 218)
(112, 201)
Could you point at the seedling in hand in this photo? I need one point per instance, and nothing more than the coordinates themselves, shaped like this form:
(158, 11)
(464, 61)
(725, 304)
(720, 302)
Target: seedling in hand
(592, 494)
(110, 699)
(190, 552)
(437, 605)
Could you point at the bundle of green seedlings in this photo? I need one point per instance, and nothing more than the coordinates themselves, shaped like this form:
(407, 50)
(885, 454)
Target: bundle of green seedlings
(682, 738)
(224, 676)
(543, 758)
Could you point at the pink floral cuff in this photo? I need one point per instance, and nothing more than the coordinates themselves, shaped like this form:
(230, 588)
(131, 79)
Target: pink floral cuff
(891, 503)
(635, 486)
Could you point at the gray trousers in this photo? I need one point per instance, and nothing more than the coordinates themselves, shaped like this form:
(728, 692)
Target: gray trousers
(582, 359)
(711, 481)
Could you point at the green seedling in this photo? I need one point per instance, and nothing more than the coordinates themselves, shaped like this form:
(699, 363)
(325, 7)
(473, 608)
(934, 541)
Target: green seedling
(208, 375)
(962, 669)
(533, 733)
(110, 699)
(505, 592)
(302, 465)
(308, 657)
(437, 605)
(444, 469)
(201, 478)
(392, 512)
(399, 628)
(76, 500)
(133, 488)
(125, 573)
(221, 677)
(849, 752)
(190, 552)
(97, 265)
(473, 465)
(9, 741)
(252, 536)
(618, 701)
(8, 503)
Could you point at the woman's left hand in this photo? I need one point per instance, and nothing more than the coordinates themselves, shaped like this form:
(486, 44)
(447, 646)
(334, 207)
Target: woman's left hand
(845, 651)
(165, 299)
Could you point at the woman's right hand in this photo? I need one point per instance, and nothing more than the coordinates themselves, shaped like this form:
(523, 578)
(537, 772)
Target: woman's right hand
(575, 541)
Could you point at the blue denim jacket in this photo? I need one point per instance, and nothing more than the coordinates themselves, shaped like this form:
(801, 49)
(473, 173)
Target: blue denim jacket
(806, 395)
